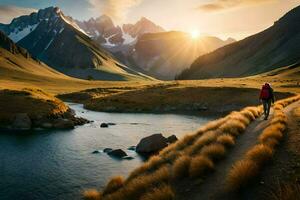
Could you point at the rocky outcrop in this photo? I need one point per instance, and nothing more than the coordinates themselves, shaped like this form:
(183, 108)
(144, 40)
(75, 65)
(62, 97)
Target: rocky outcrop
(117, 153)
(152, 144)
(22, 122)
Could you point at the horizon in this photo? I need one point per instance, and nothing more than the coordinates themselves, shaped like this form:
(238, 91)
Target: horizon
(217, 18)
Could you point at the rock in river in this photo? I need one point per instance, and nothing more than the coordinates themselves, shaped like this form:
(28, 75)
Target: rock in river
(117, 153)
(152, 144)
(172, 139)
(107, 150)
(104, 125)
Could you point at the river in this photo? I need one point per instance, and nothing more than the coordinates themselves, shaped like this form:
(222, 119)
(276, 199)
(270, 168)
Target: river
(58, 164)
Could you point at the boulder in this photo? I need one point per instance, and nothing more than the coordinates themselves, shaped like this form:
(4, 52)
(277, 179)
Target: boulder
(104, 125)
(96, 152)
(172, 139)
(117, 153)
(22, 122)
(152, 144)
(63, 124)
(111, 124)
(132, 148)
(107, 150)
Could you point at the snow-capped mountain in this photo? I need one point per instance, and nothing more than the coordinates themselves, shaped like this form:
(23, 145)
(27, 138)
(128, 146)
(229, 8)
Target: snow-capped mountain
(58, 41)
(105, 32)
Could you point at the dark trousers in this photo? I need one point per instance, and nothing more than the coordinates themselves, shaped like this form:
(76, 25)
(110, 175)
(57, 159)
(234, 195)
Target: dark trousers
(267, 106)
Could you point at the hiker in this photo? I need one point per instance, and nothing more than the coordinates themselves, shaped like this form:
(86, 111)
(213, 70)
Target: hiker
(267, 98)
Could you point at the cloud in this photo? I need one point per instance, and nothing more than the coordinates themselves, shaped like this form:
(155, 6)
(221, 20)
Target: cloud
(218, 5)
(10, 12)
(117, 9)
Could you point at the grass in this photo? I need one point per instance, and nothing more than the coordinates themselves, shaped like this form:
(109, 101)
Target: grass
(199, 166)
(92, 194)
(260, 153)
(181, 166)
(226, 140)
(241, 174)
(113, 185)
(244, 171)
(36, 103)
(214, 151)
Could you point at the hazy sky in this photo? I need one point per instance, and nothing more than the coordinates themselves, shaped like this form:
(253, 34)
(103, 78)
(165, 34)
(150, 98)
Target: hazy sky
(223, 18)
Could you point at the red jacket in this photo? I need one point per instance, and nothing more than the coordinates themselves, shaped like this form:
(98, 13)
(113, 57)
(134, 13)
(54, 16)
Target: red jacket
(266, 93)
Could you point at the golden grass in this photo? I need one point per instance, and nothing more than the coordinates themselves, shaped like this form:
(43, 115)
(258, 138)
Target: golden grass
(202, 141)
(136, 187)
(180, 168)
(113, 185)
(241, 174)
(233, 127)
(200, 165)
(92, 194)
(248, 169)
(260, 154)
(226, 140)
(214, 151)
(162, 192)
(273, 131)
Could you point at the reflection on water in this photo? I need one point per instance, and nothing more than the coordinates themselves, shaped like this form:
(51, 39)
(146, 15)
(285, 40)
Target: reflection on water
(59, 164)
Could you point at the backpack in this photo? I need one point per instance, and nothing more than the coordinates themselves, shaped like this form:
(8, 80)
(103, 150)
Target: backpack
(265, 92)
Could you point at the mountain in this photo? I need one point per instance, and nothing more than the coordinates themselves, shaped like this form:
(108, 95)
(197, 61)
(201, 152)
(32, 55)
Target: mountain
(57, 40)
(105, 32)
(272, 48)
(164, 55)
(16, 63)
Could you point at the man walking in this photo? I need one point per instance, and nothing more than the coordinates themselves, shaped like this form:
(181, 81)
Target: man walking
(267, 98)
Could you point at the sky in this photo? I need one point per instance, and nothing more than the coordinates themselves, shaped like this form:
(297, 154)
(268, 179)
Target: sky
(222, 18)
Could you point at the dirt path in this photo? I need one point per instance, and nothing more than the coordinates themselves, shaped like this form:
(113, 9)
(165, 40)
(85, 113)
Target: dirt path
(212, 187)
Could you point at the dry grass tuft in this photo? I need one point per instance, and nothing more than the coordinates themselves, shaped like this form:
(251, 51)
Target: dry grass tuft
(271, 132)
(260, 154)
(241, 174)
(226, 140)
(91, 194)
(153, 163)
(180, 168)
(200, 165)
(205, 139)
(271, 142)
(163, 192)
(214, 151)
(233, 127)
(113, 185)
(136, 187)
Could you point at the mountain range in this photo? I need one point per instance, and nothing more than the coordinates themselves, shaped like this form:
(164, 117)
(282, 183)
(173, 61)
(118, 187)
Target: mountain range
(272, 48)
(57, 40)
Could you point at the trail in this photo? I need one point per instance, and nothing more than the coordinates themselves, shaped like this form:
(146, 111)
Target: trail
(212, 187)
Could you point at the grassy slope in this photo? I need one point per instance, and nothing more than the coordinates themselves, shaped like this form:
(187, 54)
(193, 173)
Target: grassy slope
(36, 103)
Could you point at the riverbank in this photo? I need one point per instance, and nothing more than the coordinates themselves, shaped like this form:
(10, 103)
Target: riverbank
(33, 108)
(169, 98)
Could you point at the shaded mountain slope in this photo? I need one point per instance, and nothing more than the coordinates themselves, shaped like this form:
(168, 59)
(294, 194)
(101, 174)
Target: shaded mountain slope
(275, 47)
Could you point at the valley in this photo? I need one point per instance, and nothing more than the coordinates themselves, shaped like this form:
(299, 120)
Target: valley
(80, 98)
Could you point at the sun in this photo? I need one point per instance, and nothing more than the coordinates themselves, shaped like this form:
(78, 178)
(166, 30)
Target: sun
(195, 34)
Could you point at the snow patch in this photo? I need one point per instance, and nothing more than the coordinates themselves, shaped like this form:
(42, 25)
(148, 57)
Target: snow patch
(128, 39)
(61, 30)
(18, 35)
(108, 43)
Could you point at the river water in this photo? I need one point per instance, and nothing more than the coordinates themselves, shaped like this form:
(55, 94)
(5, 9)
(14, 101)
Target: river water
(59, 164)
